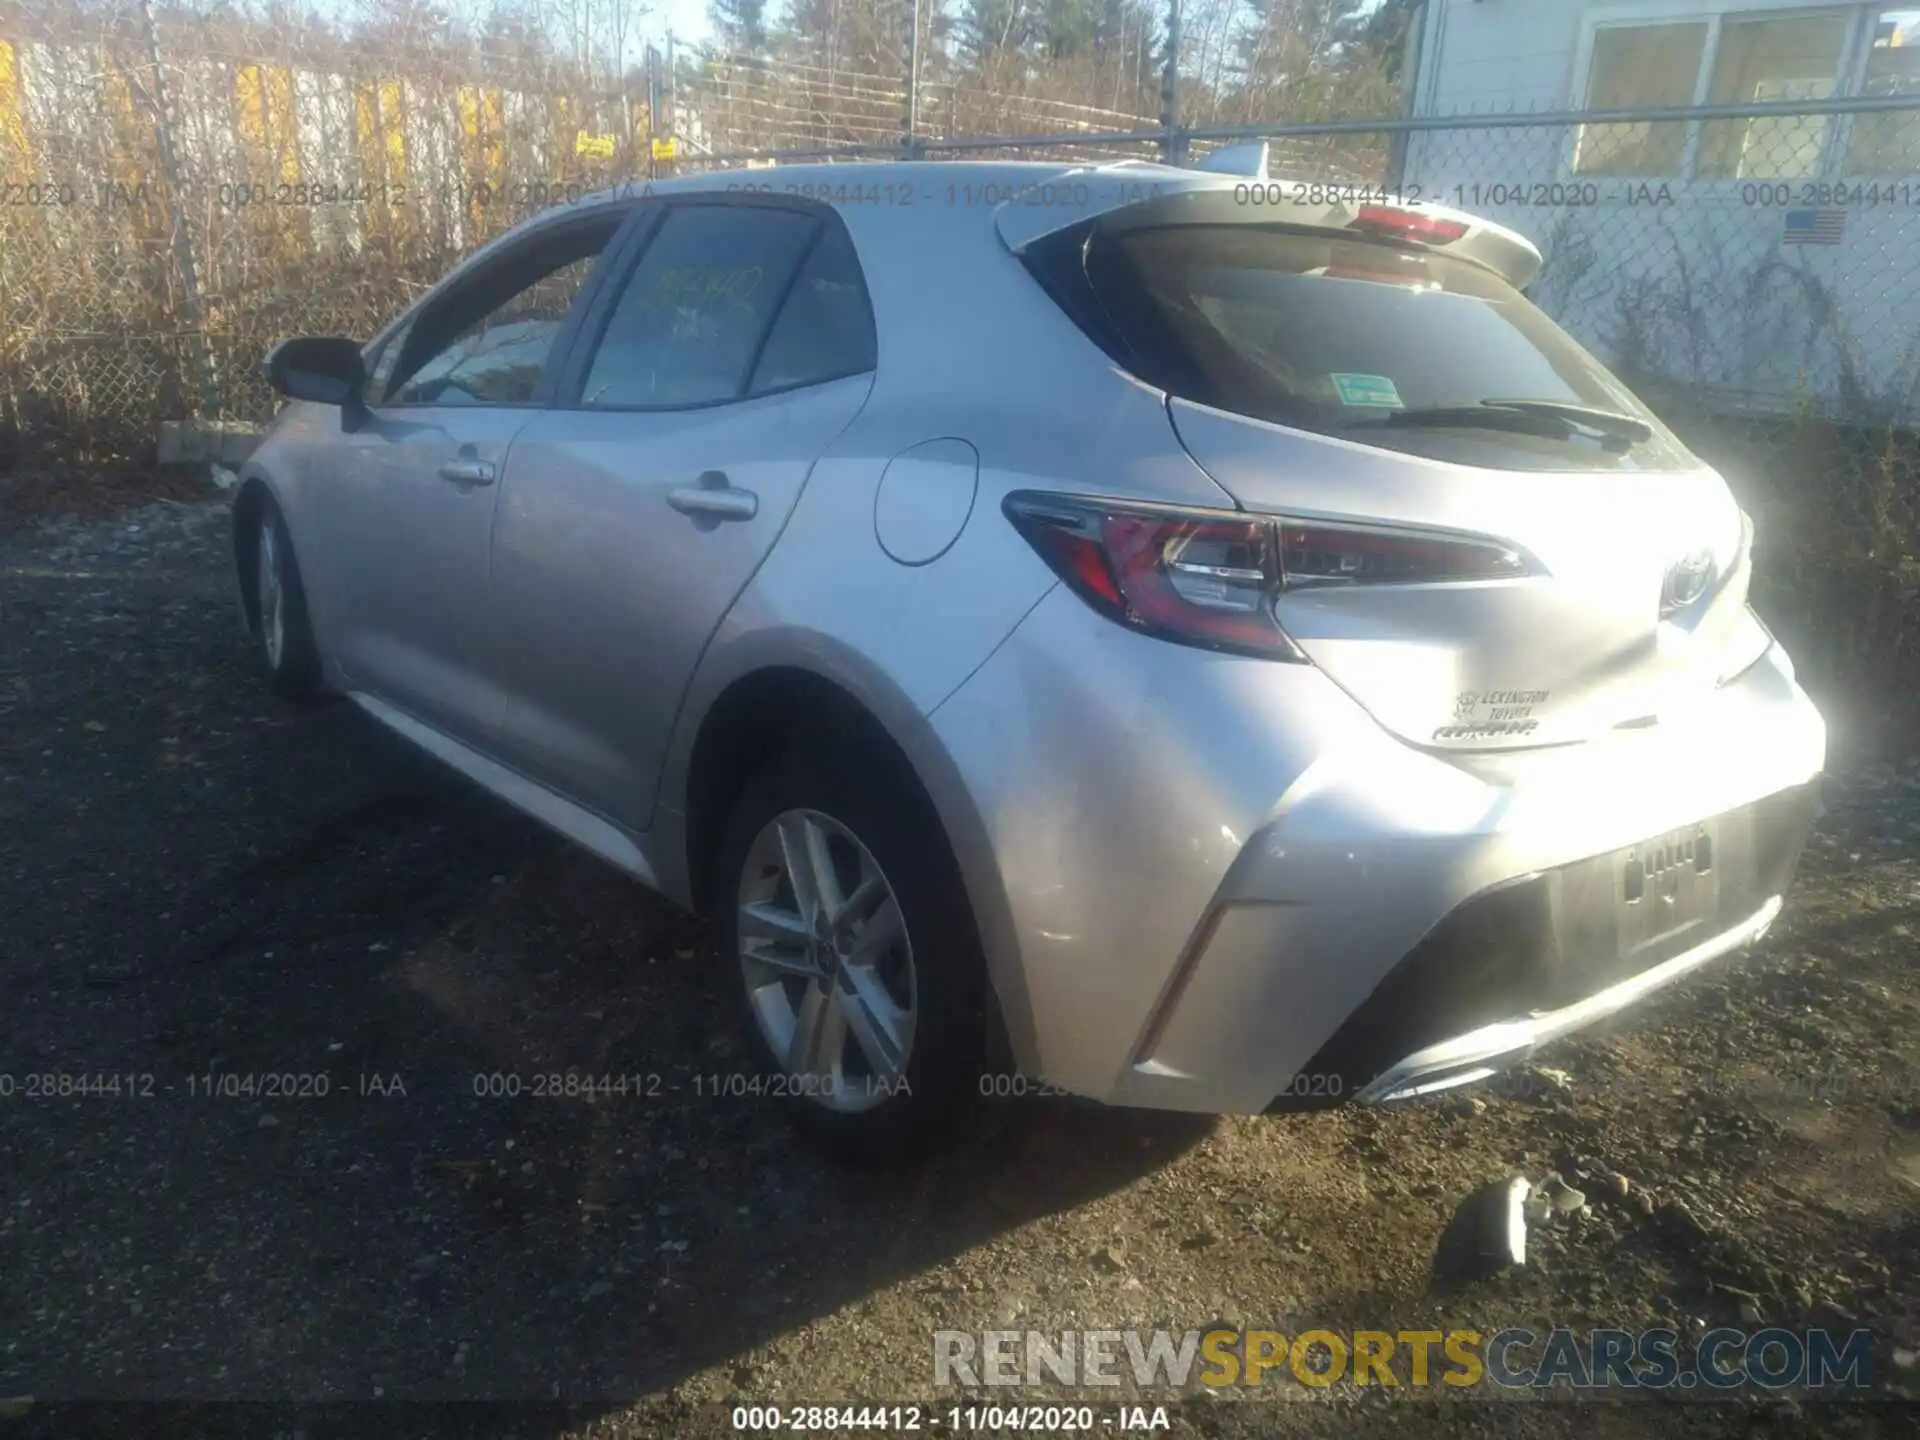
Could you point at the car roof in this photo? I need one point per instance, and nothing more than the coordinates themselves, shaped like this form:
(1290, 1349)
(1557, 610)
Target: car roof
(1029, 199)
(860, 189)
(896, 208)
(1018, 173)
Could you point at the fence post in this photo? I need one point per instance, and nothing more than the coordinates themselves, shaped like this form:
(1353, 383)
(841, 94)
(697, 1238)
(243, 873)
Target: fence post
(673, 103)
(1412, 57)
(199, 361)
(1173, 148)
(910, 141)
(653, 109)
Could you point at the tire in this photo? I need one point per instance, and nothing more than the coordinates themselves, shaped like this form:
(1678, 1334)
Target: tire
(282, 630)
(873, 828)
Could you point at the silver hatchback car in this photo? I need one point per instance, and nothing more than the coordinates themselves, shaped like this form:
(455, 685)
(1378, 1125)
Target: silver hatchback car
(1180, 639)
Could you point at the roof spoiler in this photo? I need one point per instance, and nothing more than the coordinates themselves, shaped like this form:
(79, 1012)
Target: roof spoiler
(1138, 193)
(1249, 161)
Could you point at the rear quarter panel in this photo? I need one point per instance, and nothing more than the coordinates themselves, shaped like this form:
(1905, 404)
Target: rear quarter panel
(970, 349)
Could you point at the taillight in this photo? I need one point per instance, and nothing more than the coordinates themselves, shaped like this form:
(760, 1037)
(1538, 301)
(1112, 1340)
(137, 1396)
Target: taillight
(1411, 224)
(1338, 555)
(1210, 578)
(1201, 577)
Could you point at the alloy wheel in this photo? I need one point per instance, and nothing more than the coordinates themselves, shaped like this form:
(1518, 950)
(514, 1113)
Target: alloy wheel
(827, 961)
(272, 596)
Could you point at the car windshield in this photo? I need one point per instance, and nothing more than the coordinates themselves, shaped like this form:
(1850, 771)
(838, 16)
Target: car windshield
(1334, 334)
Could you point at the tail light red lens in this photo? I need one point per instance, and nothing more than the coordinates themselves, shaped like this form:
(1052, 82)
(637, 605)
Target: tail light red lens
(1202, 578)
(1210, 578)
(1388, 220)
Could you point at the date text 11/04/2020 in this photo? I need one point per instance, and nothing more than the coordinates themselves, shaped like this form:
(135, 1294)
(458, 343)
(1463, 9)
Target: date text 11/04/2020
(957, 1419)
(540, 194)
(1478, 195)
(703, 1085)
(242, 194)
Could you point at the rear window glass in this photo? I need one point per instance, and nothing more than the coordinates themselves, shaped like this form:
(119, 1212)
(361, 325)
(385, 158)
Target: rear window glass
(1332, 334)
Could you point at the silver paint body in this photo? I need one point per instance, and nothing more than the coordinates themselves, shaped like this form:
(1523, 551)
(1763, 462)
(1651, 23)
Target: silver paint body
(1113, 800)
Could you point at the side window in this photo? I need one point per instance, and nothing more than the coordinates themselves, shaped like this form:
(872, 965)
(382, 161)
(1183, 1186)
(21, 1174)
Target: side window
(825, 330)
(688, 325)
(488, 340)
(380, 373)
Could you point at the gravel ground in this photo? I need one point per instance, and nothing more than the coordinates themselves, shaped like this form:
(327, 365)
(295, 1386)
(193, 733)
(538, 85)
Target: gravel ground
(200, 882)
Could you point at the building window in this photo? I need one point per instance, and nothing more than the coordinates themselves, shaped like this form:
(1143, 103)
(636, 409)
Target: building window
(1639, 65)
(1889, 144)
(1765, 60)
(1751, 58)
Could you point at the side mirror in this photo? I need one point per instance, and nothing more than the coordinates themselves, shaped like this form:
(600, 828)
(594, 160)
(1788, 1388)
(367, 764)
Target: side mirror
(326, 369)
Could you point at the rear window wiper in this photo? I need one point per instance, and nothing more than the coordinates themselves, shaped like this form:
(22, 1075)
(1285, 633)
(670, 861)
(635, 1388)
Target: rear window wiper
(1614, 424)
(1551, 418)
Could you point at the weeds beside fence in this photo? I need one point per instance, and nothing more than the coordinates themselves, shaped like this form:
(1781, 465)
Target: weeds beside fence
(1837, 559)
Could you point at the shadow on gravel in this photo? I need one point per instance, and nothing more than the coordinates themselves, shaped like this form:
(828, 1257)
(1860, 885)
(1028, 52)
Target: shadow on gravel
(348, 1083)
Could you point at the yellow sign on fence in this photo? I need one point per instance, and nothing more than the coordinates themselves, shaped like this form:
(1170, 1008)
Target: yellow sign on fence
(600, 145)
(665, 147)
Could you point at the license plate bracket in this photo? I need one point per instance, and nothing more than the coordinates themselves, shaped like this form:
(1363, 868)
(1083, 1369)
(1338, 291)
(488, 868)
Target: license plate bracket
(1667, 884)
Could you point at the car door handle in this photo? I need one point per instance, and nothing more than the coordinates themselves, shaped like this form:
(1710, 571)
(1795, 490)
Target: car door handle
(468, 472)
(714, 499)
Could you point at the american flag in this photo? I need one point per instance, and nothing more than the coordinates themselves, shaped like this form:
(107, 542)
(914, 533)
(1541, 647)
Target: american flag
(1814, 227)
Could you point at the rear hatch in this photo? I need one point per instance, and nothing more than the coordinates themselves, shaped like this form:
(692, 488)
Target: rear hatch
(1403, 407)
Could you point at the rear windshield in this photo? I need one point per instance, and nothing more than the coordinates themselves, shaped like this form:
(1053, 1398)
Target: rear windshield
(1331, 334)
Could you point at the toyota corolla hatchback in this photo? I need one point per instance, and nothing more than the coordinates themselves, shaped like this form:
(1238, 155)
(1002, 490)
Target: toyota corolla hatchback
(1183, 641)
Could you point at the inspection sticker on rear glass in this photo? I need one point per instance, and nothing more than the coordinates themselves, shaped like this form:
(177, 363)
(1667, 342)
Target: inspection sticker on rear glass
(1367, 390)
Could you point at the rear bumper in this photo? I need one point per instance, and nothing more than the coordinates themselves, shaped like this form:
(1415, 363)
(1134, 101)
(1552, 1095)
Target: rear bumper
(1225, 885)
(1546, 955)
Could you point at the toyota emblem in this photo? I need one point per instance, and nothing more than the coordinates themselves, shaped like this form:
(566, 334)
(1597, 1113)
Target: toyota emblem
(1687, 580)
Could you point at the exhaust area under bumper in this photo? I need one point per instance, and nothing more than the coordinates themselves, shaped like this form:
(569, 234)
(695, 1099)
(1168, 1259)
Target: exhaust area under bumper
(1481, 1053)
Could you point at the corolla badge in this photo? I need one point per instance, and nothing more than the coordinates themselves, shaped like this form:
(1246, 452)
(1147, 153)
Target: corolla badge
(1686, 581)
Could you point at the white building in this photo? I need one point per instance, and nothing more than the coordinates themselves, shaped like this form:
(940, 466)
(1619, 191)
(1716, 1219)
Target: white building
(1764, 259)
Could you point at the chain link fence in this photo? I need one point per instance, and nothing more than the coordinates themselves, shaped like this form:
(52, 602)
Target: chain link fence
(178, 194)
(1754, 258)
(1750, 271)
(1748, 260)
(180, 188)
